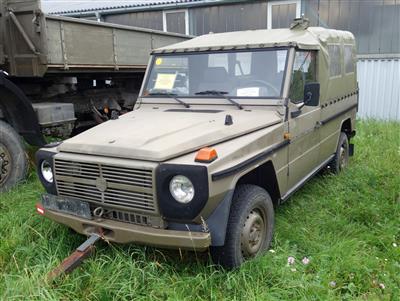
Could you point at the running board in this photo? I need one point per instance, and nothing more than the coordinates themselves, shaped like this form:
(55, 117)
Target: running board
(305, 179)
(75, 259)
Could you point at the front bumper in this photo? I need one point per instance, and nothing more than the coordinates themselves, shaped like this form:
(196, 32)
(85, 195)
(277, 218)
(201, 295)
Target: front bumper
(120, 232)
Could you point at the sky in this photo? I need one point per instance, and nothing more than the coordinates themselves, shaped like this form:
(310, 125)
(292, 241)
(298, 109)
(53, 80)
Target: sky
(49, 6)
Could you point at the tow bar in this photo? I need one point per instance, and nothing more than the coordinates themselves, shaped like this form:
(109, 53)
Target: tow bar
(75, 259)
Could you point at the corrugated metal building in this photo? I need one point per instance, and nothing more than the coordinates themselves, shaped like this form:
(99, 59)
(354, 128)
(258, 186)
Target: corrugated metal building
(375, 24)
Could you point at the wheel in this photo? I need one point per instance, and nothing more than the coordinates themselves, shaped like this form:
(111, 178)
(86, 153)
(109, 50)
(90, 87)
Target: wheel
(250, 227)
(13, 159)
(341, 159)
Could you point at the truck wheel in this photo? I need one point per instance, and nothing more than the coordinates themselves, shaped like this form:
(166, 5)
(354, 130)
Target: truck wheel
(250, 227)
(13, 160)
(341, 158)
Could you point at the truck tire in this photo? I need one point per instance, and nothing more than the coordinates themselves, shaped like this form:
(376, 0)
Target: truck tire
(250, 227)
(341, 159)
(13, 159)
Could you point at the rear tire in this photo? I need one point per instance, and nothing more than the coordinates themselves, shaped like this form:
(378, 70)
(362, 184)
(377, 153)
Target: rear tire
(250, 227)
(13, 159)
(341, 159)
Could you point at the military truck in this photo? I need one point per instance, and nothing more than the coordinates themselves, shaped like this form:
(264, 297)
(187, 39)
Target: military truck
(231, 125)
(62, 75)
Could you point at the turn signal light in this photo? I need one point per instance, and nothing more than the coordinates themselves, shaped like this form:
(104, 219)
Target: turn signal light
(206, 155)
(39, 209)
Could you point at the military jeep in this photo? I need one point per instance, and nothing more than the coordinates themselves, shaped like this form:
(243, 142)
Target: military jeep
(226, 127)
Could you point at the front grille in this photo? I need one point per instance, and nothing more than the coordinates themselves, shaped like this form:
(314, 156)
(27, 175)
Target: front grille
(128, 217)
(100, 183)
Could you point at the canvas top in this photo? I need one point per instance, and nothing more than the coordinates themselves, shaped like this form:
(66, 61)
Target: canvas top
(309, 38)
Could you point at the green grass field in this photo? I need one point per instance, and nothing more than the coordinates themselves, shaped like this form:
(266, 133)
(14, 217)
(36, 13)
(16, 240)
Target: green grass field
(347, 225)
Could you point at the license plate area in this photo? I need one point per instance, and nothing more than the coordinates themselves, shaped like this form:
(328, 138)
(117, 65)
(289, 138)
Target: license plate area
(67, 205)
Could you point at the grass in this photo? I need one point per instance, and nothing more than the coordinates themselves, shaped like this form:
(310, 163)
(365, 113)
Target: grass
(347, 225)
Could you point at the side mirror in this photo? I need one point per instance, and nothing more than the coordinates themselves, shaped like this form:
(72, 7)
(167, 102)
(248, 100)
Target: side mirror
(311, 94)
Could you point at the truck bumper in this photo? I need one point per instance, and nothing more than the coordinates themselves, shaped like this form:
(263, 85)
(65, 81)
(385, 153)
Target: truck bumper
(120, 232)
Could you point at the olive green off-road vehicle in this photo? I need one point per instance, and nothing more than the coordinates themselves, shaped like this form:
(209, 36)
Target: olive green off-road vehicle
(226, 126)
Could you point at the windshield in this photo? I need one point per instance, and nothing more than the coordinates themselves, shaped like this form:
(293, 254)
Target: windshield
(256, 73)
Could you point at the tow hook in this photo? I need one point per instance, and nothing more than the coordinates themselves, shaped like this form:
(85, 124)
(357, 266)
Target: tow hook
(75, 259)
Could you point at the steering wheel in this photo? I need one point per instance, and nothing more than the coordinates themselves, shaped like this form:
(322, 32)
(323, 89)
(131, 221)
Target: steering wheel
(265, 84)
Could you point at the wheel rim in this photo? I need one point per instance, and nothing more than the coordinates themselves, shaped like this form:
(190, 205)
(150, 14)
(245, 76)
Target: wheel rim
(5, 163)
(253, 233)
(343, 157)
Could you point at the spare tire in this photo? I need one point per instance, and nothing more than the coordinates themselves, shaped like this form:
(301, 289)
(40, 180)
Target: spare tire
(13, 158)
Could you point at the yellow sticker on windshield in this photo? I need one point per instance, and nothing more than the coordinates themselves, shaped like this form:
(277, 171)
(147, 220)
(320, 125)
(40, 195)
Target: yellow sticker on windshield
(165, 81)
(159, 61)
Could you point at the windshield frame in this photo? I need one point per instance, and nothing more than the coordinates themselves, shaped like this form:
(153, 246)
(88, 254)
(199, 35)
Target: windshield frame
(154, 55)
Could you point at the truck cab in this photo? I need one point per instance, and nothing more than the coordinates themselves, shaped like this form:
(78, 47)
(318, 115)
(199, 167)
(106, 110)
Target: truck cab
(227, 126)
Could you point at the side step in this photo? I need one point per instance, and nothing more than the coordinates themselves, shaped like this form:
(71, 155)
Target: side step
(75, 259)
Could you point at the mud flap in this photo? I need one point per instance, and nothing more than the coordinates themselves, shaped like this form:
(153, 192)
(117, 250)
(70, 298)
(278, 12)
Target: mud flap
(351, 149)
(19, 112)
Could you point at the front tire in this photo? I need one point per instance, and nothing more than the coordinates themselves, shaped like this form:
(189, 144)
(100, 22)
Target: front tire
(250, 227)
(13, 159)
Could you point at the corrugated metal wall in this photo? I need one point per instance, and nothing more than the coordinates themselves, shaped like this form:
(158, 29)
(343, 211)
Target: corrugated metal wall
(232, 17)
(379, 83)
(146, 19)
(374, 23)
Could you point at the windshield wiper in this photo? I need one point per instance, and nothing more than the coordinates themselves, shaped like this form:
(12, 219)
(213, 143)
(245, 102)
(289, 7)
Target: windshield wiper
(220, 93)
(170, 95)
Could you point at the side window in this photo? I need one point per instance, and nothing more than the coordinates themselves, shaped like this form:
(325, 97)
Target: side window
(348, 59)
(280, 14)
(334, 60)
(176, 21)
(304, 71)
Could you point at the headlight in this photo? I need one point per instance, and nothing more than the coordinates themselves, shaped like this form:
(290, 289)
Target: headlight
(47, 171)
(181, 189)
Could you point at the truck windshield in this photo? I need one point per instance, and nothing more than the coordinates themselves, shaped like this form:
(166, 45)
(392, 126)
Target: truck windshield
(239, 74)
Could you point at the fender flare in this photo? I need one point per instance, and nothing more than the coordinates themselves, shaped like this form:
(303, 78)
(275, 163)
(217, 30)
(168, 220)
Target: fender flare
(216, 223)
(18, 112)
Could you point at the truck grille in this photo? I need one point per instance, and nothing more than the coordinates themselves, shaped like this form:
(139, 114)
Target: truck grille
(106, 184)
(127, 217)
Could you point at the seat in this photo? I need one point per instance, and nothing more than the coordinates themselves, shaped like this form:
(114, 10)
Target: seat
(215, 78)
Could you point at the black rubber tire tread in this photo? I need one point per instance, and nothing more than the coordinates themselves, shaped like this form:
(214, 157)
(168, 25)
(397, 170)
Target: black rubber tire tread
(335, 163)
(245, 198)
(14, 144)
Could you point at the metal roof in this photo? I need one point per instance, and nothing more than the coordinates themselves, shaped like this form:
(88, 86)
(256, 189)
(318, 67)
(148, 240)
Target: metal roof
(81, 7)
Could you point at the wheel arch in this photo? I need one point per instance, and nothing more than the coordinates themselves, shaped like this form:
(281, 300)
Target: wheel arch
(265, 177)
(347, 127)
(17, 110)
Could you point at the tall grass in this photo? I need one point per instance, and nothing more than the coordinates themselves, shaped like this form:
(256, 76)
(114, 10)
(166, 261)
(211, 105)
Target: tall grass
(347, 225)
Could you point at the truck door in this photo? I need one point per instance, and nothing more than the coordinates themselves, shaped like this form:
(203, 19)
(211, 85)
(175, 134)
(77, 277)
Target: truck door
(304, 136)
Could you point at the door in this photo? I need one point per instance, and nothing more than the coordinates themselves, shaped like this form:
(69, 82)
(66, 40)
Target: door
(304, 135)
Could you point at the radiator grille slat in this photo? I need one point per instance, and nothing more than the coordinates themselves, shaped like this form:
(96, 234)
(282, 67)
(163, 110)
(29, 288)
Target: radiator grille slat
(131, 182)
(119, 185)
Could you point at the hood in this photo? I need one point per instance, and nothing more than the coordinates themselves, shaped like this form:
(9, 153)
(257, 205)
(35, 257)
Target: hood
(152, 135)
